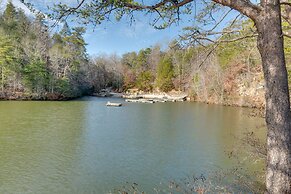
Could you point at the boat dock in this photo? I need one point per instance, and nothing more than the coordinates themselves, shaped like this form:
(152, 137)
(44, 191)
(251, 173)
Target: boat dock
(115, 104)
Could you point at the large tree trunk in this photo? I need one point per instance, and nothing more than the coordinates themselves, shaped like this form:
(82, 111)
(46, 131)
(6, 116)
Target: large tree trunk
(278, 115)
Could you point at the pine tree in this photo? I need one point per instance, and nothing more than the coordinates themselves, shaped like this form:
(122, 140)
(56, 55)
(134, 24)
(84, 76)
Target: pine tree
(165, 74)
(6, 56)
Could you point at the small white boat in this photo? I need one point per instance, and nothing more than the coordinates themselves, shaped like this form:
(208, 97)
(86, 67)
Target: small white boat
(113, 104)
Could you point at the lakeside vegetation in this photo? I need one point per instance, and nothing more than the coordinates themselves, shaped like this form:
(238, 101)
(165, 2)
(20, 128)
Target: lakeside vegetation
(230, 74)
(38, 64)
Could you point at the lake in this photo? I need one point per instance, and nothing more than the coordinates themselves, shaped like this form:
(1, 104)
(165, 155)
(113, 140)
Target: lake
(82, 146)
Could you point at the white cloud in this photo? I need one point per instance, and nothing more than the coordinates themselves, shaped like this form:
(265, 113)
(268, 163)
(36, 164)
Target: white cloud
(18, 4)
(136, 29)
(42, 4)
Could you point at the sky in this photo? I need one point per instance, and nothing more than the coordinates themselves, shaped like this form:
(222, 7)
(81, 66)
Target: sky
(112, 37)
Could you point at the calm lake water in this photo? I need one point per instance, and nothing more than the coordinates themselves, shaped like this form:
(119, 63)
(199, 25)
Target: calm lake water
(83, 146)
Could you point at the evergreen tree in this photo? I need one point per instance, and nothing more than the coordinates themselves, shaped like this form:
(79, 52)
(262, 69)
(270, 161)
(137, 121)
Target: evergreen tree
(6, 57)
(144, 81)
(9, 20)
(165, 74)
(66, 30)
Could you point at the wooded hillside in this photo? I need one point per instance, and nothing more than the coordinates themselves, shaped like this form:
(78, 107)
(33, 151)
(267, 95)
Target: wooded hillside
(38, 64)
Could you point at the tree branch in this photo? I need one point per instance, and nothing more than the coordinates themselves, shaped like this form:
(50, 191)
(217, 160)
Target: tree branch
(71, 10)
(285, 2)
(239, 38)
(68, 12)
(208, 54)
(287, 35)
(244, 6)
(286, 14)
(221, 20)
(153, 7)
(197, 39)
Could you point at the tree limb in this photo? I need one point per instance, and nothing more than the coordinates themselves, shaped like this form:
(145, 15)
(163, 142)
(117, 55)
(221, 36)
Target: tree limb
(244, 6)
(287, 35)
(285, 2)
(153, 7)
(68, 12)
(286, 14)
(221, 20)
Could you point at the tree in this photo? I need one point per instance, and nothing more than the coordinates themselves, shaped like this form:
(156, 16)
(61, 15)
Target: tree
(267, 16)
(9, 21)
(6, 56)
(144, 81)
(66, 31)
(36, 76)
(9, 13)
(154, 58)
(141, 61)
(165, 74)
(68, 62)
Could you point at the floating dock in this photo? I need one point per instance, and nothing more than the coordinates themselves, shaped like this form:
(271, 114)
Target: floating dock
(113, 104)
(149, 101)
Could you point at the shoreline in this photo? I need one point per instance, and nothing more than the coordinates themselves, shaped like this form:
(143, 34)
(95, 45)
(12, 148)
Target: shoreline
(143, 98)
(172, 97)
(179, 97)
(19, 96)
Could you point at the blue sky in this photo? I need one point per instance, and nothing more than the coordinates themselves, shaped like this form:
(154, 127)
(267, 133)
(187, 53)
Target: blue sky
(121, 37)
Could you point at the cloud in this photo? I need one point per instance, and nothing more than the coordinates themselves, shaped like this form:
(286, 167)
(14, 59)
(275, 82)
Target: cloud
(18, 4)
(42, 3)
(112, 36)
(137, 29)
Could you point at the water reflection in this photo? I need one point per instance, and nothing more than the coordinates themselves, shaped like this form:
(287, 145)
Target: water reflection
(38, 143)
(85, 147)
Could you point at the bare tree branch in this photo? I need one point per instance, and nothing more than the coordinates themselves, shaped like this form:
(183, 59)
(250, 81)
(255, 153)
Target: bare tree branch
(239, 38)
(208, 54)
(72, 9)
(68, 12)
(221, 20)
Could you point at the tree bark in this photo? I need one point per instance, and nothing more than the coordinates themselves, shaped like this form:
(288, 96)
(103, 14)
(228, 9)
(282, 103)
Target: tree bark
(278, 115)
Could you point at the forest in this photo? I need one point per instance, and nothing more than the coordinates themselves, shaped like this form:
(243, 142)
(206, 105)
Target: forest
(39, 64)
(230, 74)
